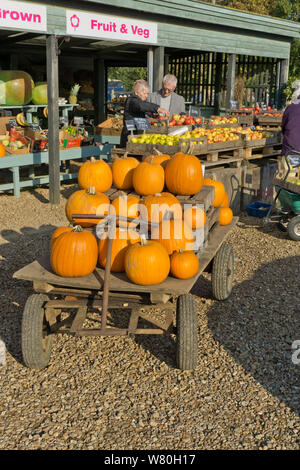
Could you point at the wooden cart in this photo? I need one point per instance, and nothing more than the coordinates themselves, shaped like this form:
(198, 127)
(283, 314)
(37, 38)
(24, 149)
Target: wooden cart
(56, 297)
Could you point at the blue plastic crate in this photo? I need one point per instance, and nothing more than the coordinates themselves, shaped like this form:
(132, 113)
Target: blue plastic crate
(258, 209)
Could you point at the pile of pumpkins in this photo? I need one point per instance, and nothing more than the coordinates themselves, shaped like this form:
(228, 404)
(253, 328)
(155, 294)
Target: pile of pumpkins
(75, 252)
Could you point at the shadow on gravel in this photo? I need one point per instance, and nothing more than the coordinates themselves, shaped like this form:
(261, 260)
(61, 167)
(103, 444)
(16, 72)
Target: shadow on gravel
(259, 324)
(21, 249)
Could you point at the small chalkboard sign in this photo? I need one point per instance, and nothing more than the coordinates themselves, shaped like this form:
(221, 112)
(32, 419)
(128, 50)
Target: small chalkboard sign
(130, 125)
(234, 104)
(13, 122)
(194, 111)
(141, 124)
(34, 127)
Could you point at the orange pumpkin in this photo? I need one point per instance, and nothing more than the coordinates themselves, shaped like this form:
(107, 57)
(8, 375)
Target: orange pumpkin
(147, 263)
(225, 202)
(74, 253)
(122, 171)
(123, 238)
(57, 232)
(195, 217)
(184, 175)
(2, 150)
(87, 202)
(158, 159)
(226, 216)
(184, 264)
(219, 191)
(174, 235)
(96, 173)
(148, 178)
(125, 206)
(158, 205)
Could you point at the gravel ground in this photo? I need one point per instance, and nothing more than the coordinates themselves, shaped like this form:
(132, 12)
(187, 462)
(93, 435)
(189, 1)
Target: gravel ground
(119, 393)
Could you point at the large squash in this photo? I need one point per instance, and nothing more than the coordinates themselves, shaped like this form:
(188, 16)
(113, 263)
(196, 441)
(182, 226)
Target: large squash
(87, 202)
(174, 235)
(125, 206)
(184, 175)
(184, 264)
(96, 173)
(74, 253)
(148, 178)
(16, 88)
(158, 205)
(40, 93)
(122, 171)
(219, 191)
(147, 263)
(123, 238)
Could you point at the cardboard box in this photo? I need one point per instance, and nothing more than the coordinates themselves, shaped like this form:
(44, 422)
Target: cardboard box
(4, 124)
(69, 141)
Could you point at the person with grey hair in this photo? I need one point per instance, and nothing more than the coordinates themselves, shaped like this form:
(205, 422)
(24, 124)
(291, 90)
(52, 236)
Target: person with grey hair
(137, 106)
(166, 96)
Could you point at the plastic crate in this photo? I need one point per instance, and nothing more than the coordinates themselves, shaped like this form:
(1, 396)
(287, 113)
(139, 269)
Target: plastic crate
(258, 209)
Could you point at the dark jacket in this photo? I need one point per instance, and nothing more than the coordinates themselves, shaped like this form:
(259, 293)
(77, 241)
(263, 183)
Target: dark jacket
(135, 108)
(291, 128)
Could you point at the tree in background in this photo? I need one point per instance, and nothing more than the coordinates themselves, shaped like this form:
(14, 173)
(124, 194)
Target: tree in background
(283, 9)
(128, 75)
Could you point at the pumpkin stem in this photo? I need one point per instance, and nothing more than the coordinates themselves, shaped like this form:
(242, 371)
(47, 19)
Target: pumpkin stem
(77, 228)
(93, 160)
(91, 190)
(143, 239)
(125, 155)
(157, 151)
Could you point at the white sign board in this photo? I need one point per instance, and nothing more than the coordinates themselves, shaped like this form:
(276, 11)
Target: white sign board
(23, 16)
(95, 25)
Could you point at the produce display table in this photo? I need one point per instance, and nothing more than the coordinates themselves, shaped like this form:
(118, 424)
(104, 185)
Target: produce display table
(15, 162)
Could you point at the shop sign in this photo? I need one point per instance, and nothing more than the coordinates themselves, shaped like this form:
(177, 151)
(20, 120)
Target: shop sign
(23, 16)
(86, 24)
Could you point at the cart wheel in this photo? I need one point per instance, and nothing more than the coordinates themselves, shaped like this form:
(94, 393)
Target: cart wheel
(294, 228)
(36, 342)
(222, 272)
(186, 325)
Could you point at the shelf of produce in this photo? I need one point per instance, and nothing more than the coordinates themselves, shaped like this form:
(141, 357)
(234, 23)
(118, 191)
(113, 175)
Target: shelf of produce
(15, 162)
(33, 108)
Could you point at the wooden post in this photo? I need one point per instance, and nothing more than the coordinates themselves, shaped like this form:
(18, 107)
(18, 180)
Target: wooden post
(158, 67)
(230, 79)
(277, 89)
(53, 119)
(284, 75)
(100, 90)
(218, 83)
(166, 64)
(150, 68)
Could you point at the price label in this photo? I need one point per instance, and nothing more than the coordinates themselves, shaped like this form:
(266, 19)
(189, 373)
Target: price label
(130, 125)
(35, 127)
(141, 124)
(78, 120)
(194, 111)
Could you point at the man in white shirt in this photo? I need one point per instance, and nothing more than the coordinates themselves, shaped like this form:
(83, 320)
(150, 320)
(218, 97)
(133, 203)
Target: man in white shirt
(166, 97)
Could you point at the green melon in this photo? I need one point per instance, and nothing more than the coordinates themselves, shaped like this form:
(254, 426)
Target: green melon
(15, 87)
(40, 93)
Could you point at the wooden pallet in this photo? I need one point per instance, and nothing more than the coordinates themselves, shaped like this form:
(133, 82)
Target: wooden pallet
(228, 156)
(256, 152)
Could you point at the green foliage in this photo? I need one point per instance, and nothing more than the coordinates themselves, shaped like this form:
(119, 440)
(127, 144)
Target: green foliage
(128, 75)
